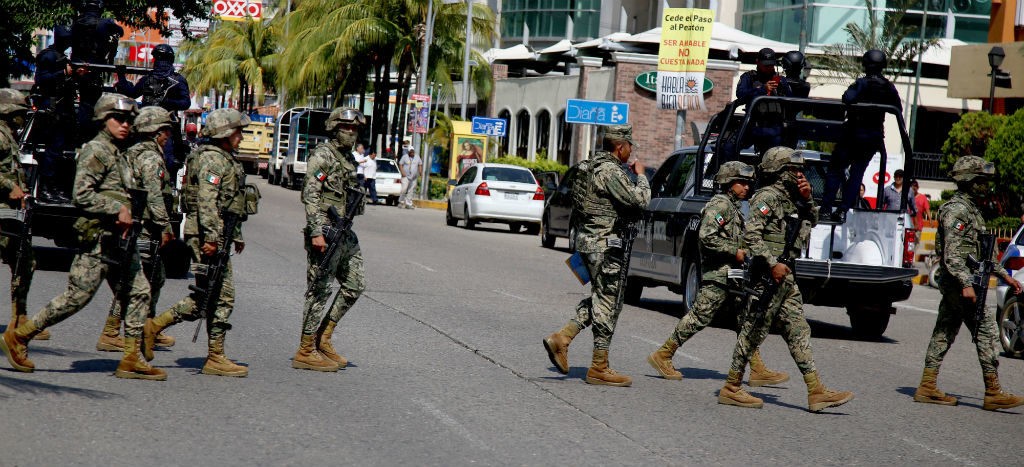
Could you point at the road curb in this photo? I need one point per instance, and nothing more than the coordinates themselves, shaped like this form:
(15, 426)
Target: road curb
(430, 204)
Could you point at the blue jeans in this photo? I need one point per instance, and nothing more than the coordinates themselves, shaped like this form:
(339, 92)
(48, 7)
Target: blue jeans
(371, 187)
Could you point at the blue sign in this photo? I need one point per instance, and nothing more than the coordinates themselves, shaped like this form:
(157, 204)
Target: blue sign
(596, 112)
(489, 126)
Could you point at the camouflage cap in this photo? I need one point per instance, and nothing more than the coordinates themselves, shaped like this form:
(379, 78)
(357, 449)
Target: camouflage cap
(778, 158)
(968, 168)
(344, 115)
(734, 170)
(152, 119)
(11, 101)
(111, 103)
(222, 122)
(620, 133)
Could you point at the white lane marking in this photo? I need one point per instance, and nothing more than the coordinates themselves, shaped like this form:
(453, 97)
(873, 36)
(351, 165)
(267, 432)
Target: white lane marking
(917, 308)
(428, 268)
(658, 344)
(450, 422)
(502, 292)
(940, 452)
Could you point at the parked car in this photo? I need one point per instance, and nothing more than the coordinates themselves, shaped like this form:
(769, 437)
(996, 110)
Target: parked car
(388, 181)
(499, 193)
(1009, 312)
(1015, 249)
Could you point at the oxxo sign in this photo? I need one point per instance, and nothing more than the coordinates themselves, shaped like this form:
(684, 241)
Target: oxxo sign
(649, 81)
(237, 10)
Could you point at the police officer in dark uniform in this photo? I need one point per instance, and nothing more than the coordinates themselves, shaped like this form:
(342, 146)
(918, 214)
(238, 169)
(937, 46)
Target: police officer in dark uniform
(94, 40)
(764, 81)
(793, 64)
(167, 89)
(863, 134)
(54, 85)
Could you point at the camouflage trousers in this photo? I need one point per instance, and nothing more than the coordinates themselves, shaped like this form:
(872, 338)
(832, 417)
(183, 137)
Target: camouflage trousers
(601, 309)
(21, 279)
(345, 266)
(87, 273)
(786, 312)
(157, 276)
(952, 313)
(188, 309)
(710, 298)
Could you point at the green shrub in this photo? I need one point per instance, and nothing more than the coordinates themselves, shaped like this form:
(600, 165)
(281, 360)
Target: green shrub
(536, 167)
(438, 187)
(1003, 226)
(970, 136)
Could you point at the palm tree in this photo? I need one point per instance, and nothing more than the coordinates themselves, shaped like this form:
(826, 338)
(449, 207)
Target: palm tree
(890, 35)
(240, 54)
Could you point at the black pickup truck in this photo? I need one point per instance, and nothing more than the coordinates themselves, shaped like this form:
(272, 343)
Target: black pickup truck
(861, 265)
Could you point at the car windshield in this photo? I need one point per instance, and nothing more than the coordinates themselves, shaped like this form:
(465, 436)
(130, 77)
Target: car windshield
(386, 166)
(507, 174)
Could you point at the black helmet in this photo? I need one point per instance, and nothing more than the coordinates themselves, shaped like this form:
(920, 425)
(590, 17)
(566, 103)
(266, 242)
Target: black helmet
(766, 56)
(793, 59)
(163, 53)
(874, 61)
(94, 5)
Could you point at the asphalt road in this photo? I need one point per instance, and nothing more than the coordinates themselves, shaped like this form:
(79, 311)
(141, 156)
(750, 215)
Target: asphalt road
(447, 368)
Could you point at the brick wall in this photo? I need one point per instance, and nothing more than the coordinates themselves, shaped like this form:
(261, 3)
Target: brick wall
(654, 129)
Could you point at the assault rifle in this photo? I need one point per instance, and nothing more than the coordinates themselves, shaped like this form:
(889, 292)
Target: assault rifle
(757, 286)
(109, 68)
(333, 234)
(127, 247)
(24, 233)
(206, 297)
(983, 268)
(625, 241)
(153, 249)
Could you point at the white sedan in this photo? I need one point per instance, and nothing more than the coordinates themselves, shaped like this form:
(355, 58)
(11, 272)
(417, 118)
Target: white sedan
(500, 193)
(388, 181)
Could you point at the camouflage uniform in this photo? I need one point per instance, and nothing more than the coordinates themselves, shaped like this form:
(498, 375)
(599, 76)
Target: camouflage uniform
(12, 101)
(960, 227)
(150, 173)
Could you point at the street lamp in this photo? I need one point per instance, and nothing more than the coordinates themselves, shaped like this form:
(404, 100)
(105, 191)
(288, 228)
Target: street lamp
(995, 59)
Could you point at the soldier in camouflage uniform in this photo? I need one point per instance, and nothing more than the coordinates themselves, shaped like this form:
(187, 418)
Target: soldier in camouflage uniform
(332, 172)
(785, 193)
(13, 187)
(721, 246)
(102, 181)
(960, 225)
(215, 183)
(605, 202)
(150, 175)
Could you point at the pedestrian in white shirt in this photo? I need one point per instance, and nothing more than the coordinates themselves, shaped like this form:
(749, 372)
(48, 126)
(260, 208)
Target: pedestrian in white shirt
(359, 154)
(409, 165)
(369, 167)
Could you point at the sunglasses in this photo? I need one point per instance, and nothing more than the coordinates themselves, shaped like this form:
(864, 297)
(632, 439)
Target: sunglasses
(123, 118)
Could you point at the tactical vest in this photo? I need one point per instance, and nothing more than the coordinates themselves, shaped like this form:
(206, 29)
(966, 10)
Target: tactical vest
(338, 174)
(155, 89)
(237, 201)
(585, 199)
(971, 245)
(775, 231)
(9, 149)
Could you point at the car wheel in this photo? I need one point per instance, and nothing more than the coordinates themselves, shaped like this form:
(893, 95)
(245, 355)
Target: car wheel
(449, 218)
(869, 321)
(634, 290)
(546, 239)
(691, 282)
(1011, 328)
(514, 227)
(532, 229)
(470, 223)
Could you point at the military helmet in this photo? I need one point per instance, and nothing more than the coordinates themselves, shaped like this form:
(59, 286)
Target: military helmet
(793, 59)
(12, 101)
(619, 133)
(344, 115)
(163, 53)
(152, 119)
(778, 158)
(968, 168)
(766, 56)
(222, 122)
(874, 61)
(110, 104)
(734, 170)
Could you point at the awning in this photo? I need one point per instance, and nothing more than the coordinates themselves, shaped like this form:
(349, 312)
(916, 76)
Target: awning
(941, 53)
(724, 37)
(516, 52)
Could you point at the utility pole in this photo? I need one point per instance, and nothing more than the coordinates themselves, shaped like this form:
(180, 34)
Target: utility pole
(917, 77)
(465, 58)
(421, 88)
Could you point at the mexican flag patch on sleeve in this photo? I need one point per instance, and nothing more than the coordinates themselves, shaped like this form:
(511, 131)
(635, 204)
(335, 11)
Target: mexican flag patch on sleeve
(719, 219)
(214, 179)
(320, 175)
(959, 226)
(764, 209)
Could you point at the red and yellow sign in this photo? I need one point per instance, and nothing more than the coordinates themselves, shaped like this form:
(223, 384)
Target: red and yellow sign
(683, 57)
(237, 10)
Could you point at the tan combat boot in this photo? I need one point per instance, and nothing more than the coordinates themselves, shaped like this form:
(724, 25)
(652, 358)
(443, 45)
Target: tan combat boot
(819, 397)
(151, 332)
(995, 398)
(307, 358)
(929, 393)
(761, 375)
(599, 373)
(218, 364)
(557, 346)
(733, 394)
(14, 344)
(19, 315)
(661, 360)
(327, 349)
(163, 340)
(110, 339)
(133, 366)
